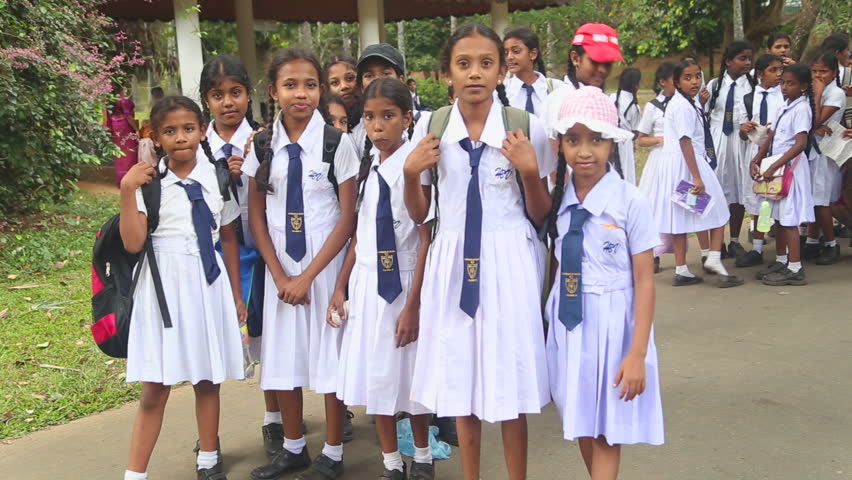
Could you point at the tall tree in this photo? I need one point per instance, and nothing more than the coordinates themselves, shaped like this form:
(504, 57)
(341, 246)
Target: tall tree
(738, 20)
(804, 24)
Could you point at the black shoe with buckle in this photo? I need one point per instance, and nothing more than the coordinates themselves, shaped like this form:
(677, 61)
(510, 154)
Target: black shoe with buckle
(829, 255)
(323, 468)
(422, 471)
(284, 462)
(273, 439)
(348, 429)
(750, 259)
(215, 473)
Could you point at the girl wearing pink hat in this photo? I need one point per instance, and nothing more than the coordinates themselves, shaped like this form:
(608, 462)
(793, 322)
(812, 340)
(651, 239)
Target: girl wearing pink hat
(602, 360)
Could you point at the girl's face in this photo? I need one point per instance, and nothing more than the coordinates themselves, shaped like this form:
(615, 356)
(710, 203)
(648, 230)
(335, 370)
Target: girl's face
(690, 80)
(341, 82)
(740, 64)
(374, 69)
(519, 58)
(228, 102)
(590, 72)
(475, 69)
(667, 85)
(297, 89)
(821, 72)
(338, 117)
(586, 152)
(771, 75)
(843, 56)
(179, 134)
(781, 47)
(791, 87)
(385, 123)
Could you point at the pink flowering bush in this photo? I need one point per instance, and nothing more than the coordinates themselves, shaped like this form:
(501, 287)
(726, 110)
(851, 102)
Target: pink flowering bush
(58, 59)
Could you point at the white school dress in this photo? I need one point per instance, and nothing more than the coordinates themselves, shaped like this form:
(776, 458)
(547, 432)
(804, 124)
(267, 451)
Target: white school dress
(238, 140)
(774, 103)
(204, 341)
(299, 349)
(628, 119)
(542, 87)
(583, 363)
(651, 124)
(373, 372)
(798, 206)
(825, 173)
(358, 136)
(731, 169)
(492, 366)
(683, 118)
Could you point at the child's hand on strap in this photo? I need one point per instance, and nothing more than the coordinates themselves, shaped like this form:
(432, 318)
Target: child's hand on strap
(631, 377)
(336, 307)
(518, 149)
(754, 169)
(423, 157)
(296, 290)
(703, 95)
(138, 175)
(235, 165)
(407, 327)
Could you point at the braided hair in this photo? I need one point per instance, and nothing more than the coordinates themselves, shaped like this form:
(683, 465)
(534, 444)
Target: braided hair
(731, 51)
(469, 31)
(170, 104)
(557, 195)
(803, 75)
(530, 40)
(628, 81)
(829, 59)
(664, 71)
(217, 69)
(572, 69)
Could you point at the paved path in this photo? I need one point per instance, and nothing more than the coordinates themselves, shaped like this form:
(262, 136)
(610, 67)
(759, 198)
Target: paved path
(756, 385)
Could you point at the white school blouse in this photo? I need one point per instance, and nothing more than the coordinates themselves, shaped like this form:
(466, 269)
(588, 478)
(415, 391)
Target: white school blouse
(517, 95)
(793, 119)
(834, 96)
(717, 116)
(774, 103)
(628, 112)
(651, 123)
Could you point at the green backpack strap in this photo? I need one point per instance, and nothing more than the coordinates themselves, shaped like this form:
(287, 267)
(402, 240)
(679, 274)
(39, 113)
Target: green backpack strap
(437, 125)
(549, 85)
(515, 118)
(330, 141)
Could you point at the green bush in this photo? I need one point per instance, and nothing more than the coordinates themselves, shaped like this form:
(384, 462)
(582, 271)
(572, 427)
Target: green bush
(433, 94)
(55, 73)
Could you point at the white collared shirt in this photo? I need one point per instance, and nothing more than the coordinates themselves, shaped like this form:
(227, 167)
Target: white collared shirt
(774, 102)
(628, 111)
(554, 101)
(322, 209)
(517, 95)
(501, 197)
(793, 119)
(834, 96)
(652, 120)
(717, 116)
(683, 118)
(176, 209)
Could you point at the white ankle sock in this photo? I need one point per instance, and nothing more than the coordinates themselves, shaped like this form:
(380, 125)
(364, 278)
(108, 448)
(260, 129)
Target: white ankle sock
(735, 240)
(831, 243)
(271, 417)
(758, 245)
(393, 461)
(295, 446)
(683, 271)
(207, 459)
(422, 455)
(812, 241)
(714, 263)
(794, 266)
(334, 452)
(781, 258)
(131, 475)
(705, 252)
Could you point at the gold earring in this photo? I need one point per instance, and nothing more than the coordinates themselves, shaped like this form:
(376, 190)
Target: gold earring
(450, 82)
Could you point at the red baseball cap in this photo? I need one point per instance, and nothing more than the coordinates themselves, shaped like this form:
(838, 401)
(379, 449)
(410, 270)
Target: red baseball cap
(600, 41)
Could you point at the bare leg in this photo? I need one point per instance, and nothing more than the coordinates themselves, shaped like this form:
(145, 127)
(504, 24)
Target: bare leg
(470, 443)
(292, 404)
(207, 415)
(605, 460)
(717, 237)
(737, 216)
(703, 240)
(420, 429)
(781, 239)
(792, 237)
(679, 241)
(826, 222)
(271, 401)
(147, 425)
(586, 450)
(386, 429)
(515, 447)
(335, 410)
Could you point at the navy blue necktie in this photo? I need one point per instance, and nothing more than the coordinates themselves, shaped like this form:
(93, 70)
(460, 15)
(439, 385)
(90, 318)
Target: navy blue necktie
(203, 221)
(228, 150)
(764, 109)
(571, 267)
(390, 285)
(529, 107)
(472, 233)
(728, 122)
(709, 148)
(295, 233)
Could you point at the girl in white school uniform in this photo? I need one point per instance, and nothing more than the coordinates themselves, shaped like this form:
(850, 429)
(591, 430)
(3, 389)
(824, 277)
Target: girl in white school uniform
(761, 108)
(384, 272)
(790, 139)
(724, 107)
(480, 354)
(650, 135)
(628, 118)
(528, 87)
(600, 348)
(830, 100)
(202, 346)
(685, 158)
(300, 222)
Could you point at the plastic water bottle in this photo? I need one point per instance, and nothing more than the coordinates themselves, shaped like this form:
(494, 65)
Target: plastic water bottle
(764, 217)
(248, 361)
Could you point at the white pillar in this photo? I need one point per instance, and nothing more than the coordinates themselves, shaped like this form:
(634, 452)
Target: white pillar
(246, 42)
(188, 34)
(500, 16)
(371, 21)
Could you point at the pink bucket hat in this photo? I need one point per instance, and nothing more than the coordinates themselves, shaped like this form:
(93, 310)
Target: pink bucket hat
(594, 109)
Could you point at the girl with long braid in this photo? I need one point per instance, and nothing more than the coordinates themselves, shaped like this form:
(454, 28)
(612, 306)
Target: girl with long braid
(627, 106)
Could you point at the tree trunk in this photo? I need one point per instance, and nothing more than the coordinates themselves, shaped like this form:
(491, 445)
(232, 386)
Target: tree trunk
(804, 24)
(452, 24)
(347, 39)
(400, 37)
(305, 38)
(738, 20)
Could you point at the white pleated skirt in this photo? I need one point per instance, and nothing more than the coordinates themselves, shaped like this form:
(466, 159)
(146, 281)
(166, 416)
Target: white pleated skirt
(826, 180)
(492, 366)
(204, 341)
(373, 372)
(731, 167)
(298, 347)
(798, 206)
(649, 185)
(674, 219)
(584, 363)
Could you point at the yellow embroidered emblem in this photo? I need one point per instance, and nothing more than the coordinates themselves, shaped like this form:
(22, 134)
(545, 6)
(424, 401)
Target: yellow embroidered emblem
(386, 257)
(296, 222)
(572, 284)
(472, 267)
(609, 226)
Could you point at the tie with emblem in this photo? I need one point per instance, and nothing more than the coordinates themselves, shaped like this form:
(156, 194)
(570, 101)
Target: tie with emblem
(472, 233)
(571, 287)
(529, 106)
(728, 122)
(228, 150)
(390, 285)
(764, 109)
(203, 222)
(295, 233)
(709, 148)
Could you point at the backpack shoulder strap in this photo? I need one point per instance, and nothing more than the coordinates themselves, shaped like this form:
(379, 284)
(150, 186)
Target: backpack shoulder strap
(748, 100)
(657, 103)
(151, 198)
(549, 85)
(438, 121)
(515, 118)
(260, 141)
(330, 141)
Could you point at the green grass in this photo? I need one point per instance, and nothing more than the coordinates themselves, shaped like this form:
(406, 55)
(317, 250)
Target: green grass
(46, 325)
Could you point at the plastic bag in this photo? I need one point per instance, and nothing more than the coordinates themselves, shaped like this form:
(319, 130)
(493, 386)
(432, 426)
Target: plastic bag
(405, 438)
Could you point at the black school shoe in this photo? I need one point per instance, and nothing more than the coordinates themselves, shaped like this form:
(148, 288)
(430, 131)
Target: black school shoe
(829, 255)
(394, 474)
(422, 471)
(446, 429)
(323, 468)
(736, 250)
(284, 462)
(273, 439)
(785, 277)
(810, 251)
(728, 281)
(750, 259)
(218, 448)
(683, 280)
(773, 267)
(215, 473)
(348, 429)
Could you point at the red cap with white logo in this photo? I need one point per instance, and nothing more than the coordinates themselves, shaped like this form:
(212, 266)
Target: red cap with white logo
(600, 41)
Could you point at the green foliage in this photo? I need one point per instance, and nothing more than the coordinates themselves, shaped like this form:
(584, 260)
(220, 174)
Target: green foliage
(657, 28)
(54, 75)
(433, 93)
(835, 16)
